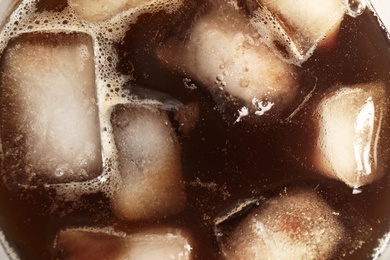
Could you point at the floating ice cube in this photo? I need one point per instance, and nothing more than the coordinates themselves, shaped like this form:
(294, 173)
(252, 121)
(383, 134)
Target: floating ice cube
(296, 27)
(296, 225)
(225, 54)
(150, 164)
(49, 117)
(350, 142)
(99, 10)
(108, 244)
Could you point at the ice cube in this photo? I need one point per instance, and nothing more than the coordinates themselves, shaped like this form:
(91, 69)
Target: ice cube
(89, 243)
(298, 224)
(350, 144)
(295, 27)
(49, 115)
(150, 164)
(99, 10)
(225, 55)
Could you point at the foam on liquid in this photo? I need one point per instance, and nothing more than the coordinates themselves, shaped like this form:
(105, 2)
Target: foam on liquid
(25, 19)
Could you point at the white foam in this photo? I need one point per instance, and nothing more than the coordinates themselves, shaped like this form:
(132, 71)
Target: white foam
(104, 35)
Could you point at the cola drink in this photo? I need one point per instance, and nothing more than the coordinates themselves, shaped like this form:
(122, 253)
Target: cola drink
(188, 128)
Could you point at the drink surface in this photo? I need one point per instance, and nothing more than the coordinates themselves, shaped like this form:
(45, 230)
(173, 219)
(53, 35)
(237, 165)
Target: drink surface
(222, 160)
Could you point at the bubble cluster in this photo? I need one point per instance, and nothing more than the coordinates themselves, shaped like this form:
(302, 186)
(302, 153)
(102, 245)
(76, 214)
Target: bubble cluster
(105, 33)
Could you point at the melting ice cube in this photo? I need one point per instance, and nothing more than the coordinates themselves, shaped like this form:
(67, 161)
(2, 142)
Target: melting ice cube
(89, 243)
(295, 27)
(150, 164)
(49, 117)
(225, 54)
(295, 225)
(102, 9)
(99, 10)
(350, 142)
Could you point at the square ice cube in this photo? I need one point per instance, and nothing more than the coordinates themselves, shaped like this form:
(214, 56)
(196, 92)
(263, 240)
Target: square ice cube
(49, 116)
(150, 164)
(351, 143)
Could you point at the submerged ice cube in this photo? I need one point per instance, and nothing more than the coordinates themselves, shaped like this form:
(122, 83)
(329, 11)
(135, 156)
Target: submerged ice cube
(150, 164)
(226, 56)
(296, 225)
(350, 144)
(296, 27)
(91, 243)
(48, 108)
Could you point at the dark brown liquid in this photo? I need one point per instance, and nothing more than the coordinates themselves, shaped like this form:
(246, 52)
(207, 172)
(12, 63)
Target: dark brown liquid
(240, 160)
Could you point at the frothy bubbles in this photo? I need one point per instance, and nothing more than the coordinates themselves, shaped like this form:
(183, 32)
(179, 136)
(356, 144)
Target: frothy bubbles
(105, 34)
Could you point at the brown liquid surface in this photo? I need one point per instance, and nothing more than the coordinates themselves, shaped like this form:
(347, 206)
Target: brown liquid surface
(240, 161)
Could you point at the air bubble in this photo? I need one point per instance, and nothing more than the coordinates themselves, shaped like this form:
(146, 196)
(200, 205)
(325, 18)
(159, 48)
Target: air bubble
(83, 174)
(356, 7)
(59, 172)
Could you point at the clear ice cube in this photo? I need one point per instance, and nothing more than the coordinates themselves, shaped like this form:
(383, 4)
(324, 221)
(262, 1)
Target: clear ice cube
(104, 243)
(49, 116)
(351, 141)
(150, 163)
